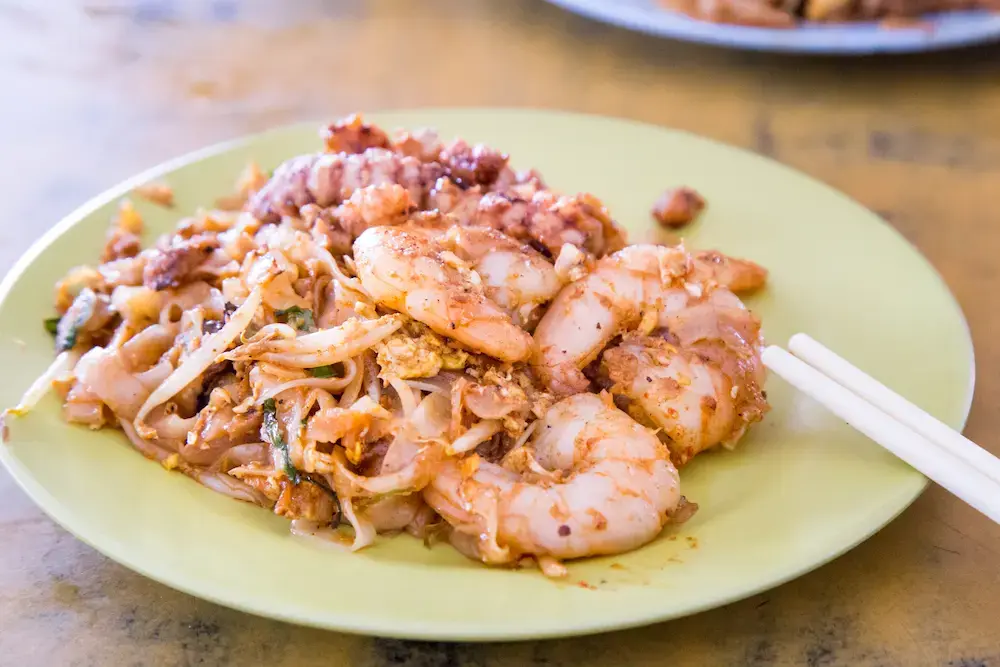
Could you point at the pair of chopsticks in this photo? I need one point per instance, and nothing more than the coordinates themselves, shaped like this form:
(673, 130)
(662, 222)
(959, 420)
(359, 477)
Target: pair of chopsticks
(939, 452)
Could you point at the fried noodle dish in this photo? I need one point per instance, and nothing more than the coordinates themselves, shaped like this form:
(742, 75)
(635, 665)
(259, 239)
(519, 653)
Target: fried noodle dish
(399, 334)
(792, 13)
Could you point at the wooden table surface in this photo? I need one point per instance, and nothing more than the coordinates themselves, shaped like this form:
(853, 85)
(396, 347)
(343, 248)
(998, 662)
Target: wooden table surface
(95, 91)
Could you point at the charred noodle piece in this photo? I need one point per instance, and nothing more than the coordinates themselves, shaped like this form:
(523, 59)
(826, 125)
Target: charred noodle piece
(328, 179)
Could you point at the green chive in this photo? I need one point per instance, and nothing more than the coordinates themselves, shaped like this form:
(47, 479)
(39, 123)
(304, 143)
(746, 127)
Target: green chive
(270, 431)
(300, 318)
(322, 372)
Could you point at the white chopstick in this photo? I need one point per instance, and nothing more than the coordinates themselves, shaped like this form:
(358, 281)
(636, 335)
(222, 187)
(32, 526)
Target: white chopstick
(894, 405)
(955, 474)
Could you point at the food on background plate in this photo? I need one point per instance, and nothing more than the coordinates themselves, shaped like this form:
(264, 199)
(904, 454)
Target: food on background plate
(400, 334)
(789, 13)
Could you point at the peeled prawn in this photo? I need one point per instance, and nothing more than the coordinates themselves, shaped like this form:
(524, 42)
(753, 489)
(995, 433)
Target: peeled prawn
(738, 275)
(410, 272)
(516, 277)
(690, 359)
(602, 484)
(633, 282)
(689, 397)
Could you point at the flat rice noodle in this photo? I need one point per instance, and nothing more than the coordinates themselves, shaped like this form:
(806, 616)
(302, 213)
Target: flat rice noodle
(488, 403)
(217, 481)
(104, 374)
(327, 384)
(151, 449)
(145, 348)
(172, 426)
(61, 367)
(155, 376)
(364, 531)
(353, 389)
(432, 417)
(196, 364)
(330, 346)
(413, 476)
(469, 440)
(394, 512)
(372, 385)
(406, 396)
(332, 424)
(83, 408)
(426, 523)
(192, 295)
(243, 455)
(230, 486)
(317, 533)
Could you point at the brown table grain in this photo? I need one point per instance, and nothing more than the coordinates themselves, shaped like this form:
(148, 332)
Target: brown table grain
(94, 91)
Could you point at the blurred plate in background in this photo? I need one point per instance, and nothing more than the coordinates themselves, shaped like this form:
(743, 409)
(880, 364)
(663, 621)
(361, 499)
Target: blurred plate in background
(941, 31)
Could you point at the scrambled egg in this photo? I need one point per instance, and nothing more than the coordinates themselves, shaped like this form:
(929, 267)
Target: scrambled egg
(417, 352)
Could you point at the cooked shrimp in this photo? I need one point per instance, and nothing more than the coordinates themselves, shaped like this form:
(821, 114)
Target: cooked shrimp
(612, 299)
(690, 398)
(516, 277)
(408, 271)
(706, 395)
(739, 275)
(603, 484)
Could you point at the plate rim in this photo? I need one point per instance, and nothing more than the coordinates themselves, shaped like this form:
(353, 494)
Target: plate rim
(675, 25)
(417, 630)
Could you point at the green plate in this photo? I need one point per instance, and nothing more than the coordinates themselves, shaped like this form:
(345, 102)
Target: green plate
(800, 490)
